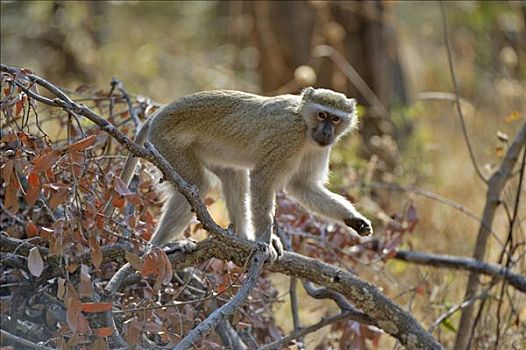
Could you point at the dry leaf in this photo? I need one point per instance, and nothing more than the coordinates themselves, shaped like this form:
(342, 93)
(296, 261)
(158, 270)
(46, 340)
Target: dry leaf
(45, 161)
(31, 229)
(85, 287)
(134, 260)
(82, 144)
(7, 170)
(96, 251)
(61, 288)
(74, 317)
(35, 264)
(96, 307)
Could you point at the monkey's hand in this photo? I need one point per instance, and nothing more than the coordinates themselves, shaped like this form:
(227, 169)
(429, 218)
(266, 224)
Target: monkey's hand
(360, 224)
(275, 248)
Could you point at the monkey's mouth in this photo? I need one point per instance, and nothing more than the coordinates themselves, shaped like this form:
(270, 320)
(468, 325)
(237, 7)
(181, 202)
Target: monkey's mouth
(323, 142)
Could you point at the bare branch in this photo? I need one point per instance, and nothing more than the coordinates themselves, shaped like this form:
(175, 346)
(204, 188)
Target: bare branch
(495, 186)
(436, 197)
(281, 343)
(456, 308)
(463, 263)
(354, 77)
(255, 266)
(22, 341)
(457, 97)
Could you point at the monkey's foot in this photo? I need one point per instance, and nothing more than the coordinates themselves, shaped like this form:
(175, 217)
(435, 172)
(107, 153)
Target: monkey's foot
(362, 226)
(183, 246)
(275, 248)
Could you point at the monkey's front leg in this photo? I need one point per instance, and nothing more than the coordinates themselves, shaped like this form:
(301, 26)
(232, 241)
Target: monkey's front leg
(263, 203)
(331, 205)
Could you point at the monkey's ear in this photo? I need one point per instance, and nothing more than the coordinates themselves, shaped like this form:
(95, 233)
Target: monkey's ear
(306, 94)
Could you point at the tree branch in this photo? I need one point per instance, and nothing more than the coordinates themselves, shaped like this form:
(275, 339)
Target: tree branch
(495, 185)
(463, 263)
(457, 97)
(22, 341)
(255, 266)
(281, 343)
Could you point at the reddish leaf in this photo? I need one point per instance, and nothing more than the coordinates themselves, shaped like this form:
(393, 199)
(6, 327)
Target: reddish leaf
(58, 198)
(82, 144)
(46, 232)
(31, 229)
(150, 263)
(7, 170)
(11, 196)
(96, 251)
(168, 270)
(20, 104)
(134, 199)
(99, 221)
(100, 343)
(223, 286)
(33, 179)
(33, 191)
(103, 331)
(74, 318)
(46, 161)
(118, 202)
(96, 307)
(133, 335)
(35, 264)
(134, 260)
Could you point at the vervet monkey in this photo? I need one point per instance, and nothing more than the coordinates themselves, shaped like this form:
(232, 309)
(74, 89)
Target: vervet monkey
(255, 145)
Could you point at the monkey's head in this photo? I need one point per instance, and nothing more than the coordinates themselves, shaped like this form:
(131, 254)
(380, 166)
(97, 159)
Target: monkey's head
(327, 114)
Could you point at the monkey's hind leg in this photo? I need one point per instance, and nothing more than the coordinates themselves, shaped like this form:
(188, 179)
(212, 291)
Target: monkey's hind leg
(235, 192)
(176, 213)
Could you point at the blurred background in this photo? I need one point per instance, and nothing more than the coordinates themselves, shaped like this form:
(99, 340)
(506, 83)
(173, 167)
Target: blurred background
(390, 56)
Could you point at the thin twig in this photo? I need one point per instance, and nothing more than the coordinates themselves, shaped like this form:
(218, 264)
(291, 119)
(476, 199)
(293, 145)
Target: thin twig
(510, 240)
(281, 343)
(436, 197)
(293, 293)
(456, 308)
(354, 77)
(255, 266)
(23, 341)
(457, 97)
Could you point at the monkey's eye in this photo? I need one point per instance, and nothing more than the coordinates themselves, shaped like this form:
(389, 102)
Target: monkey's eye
(336, 120)
(322, 115)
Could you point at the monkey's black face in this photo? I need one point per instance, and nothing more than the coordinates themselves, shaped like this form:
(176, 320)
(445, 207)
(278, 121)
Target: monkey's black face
(325, 132)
